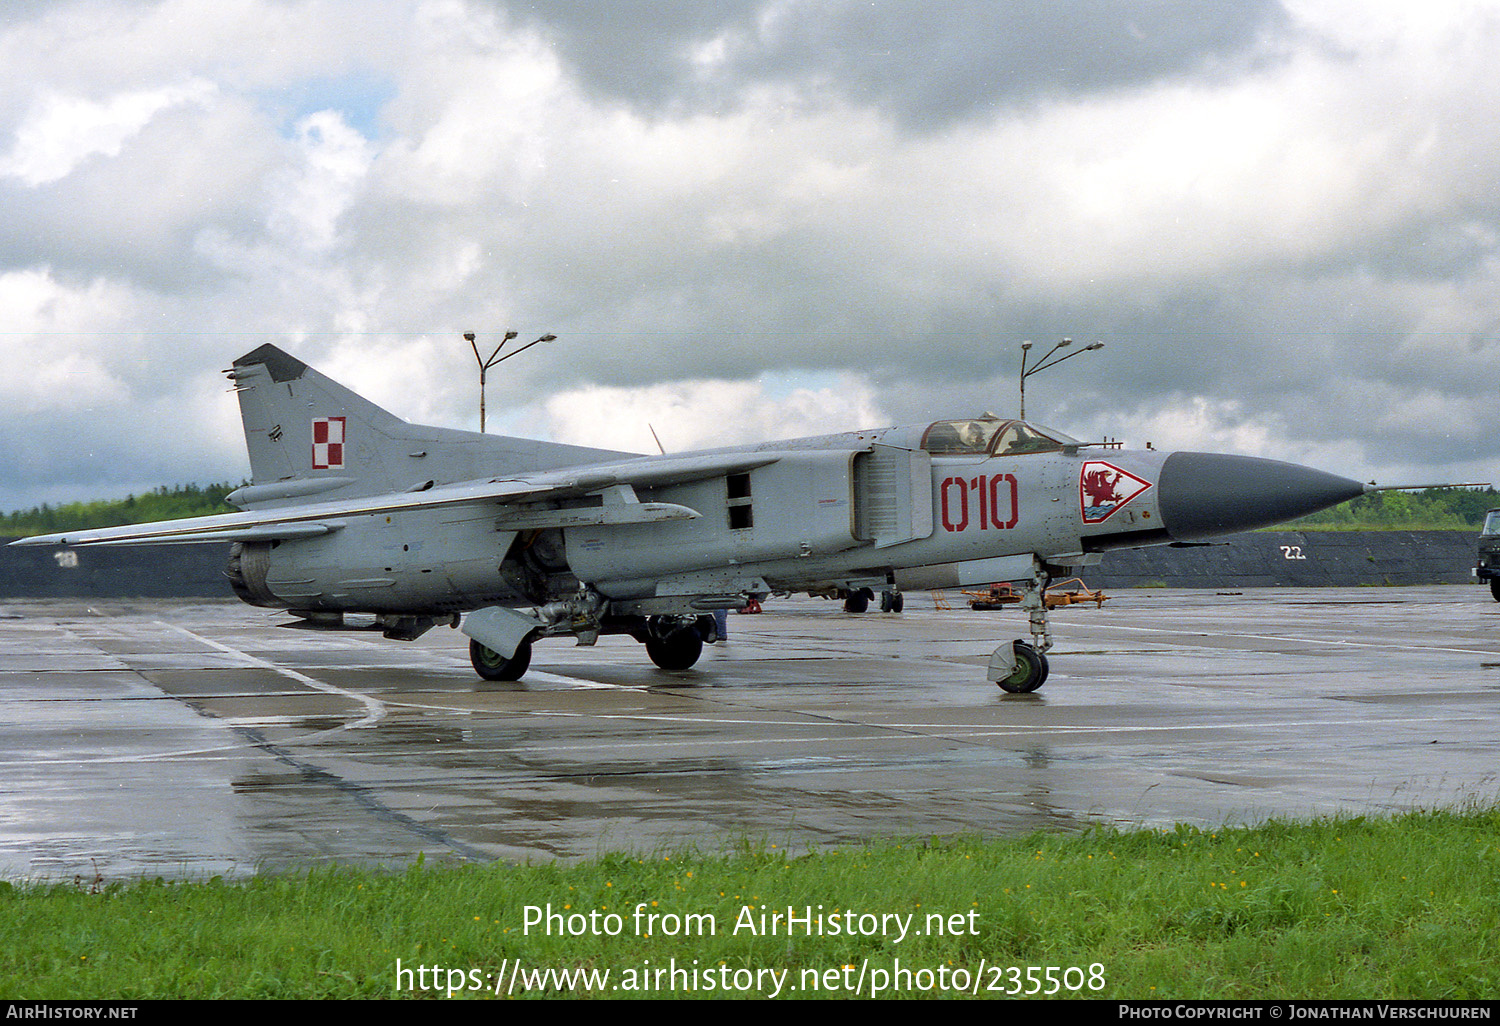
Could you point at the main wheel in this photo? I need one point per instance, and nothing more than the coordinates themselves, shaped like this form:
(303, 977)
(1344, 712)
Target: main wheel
(491, 665)
(1495, 588)
(857, 601)
(677, 651)
(1030, 672)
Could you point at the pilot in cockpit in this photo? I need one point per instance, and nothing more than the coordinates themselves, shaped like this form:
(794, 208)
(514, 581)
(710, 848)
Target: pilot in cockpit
(972, 435)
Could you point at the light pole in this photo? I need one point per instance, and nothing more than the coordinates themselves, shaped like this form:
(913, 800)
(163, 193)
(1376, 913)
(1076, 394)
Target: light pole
(1043, 363)
(494, 358)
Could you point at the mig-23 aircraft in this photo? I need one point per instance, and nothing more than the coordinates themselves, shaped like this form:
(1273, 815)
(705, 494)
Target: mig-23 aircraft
(352, 510)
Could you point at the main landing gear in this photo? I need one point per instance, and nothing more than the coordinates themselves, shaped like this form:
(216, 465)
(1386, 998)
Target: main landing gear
(674, 647)
(1018, 667)
(678, 649)
(673, 641)
(492, 665)
(858, 601)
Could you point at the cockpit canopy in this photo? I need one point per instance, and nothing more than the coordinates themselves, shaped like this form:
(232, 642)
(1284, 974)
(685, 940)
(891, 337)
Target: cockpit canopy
(991, 436)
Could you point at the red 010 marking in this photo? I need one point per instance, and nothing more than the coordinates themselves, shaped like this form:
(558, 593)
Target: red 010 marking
(998, 500)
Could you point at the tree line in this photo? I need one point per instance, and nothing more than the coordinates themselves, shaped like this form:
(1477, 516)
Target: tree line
(162, 503)
(1432, 509)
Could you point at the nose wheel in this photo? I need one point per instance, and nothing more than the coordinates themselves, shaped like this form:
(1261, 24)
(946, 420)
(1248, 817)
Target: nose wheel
(1021, 667)
(1030, 670)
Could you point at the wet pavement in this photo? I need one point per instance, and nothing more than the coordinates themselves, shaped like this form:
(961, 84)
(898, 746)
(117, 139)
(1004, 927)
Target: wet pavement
(161, 738)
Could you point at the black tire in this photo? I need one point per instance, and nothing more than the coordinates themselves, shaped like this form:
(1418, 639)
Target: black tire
(1495, 588)
(856, 601)
(1030, 673)
(491, 665)
(898, 602)
(677, 651)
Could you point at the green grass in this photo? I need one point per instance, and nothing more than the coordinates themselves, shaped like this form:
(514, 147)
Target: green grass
(1407, 907)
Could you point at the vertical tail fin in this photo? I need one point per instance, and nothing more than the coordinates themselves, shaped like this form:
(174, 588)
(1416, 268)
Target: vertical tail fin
(306, 433)
(309, 435)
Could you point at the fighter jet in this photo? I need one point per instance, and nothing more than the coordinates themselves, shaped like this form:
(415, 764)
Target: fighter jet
(352, 510)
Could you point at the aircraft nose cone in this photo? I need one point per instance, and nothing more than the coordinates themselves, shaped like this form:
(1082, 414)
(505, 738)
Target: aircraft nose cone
(1206, 494)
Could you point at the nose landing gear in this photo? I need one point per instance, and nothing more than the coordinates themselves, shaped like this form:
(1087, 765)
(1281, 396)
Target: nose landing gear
(1028, 670)
(1018, 667)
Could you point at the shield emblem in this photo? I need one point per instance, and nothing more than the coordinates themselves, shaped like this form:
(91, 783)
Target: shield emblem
(1103, 488)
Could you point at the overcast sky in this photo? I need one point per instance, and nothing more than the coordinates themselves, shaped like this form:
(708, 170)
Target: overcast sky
(750, 219)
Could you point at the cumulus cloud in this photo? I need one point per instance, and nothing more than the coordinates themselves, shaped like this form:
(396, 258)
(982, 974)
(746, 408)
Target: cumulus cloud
(64, 131)
(1277, 214)
(689, 415)
(956, 61)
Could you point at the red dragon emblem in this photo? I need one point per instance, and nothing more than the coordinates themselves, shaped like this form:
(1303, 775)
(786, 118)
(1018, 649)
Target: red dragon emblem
(1103, 488)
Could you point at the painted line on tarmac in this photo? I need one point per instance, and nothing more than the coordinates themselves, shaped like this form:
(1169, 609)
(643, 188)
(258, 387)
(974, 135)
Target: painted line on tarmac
(361, 794)
(1190, 634)
(550, 677)
(547, 677)
(919, 732)
(375, 709)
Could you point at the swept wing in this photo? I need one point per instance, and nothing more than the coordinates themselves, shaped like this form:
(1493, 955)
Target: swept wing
(303, 521)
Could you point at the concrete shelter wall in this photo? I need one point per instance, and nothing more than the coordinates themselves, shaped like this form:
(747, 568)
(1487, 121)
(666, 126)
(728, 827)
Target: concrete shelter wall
(1261, 559)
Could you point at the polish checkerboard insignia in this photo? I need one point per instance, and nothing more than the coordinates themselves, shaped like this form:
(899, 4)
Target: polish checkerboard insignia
(328, 443)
